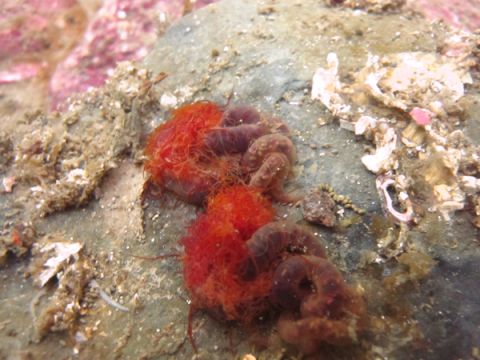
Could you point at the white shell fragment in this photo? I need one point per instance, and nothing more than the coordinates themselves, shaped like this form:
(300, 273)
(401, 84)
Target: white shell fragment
(365, 123)
(470, 184)
(449, 199)
(382, 160)
(326, 87)
(405, 79)
(62, 252)
(168, 100)
(105, 297)
(8, 183)
(78, 176)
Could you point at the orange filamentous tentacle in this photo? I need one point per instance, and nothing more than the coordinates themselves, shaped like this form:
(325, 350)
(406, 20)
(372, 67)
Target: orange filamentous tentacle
(215, 251)
(177, 157)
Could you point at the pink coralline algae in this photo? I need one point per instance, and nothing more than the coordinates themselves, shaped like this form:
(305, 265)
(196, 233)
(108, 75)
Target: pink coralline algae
(23, 23)
(20, 72)
(121, 30)
(461, 14)
(37, 37)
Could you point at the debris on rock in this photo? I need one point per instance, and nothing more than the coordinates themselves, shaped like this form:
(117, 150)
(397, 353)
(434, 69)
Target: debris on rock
(53, 257)
(423, 93)
(58, 255)
(108, 227)
(62, 158)
(405, 79)
(16, 240)
(318, 207)
(326, 86)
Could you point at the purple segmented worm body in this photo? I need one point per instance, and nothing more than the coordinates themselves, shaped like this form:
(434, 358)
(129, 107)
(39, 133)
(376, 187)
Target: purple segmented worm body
(240, 114)
(235, 139)
(263, 147)
(273, 241)
(239, 127)
(317, 305)
(268, 155)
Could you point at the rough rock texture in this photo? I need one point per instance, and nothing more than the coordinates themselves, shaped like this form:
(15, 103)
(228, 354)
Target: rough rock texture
(265, 53)
(319, 208)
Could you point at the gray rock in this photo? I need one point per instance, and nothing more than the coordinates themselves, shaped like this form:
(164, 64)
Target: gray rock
(265, 54)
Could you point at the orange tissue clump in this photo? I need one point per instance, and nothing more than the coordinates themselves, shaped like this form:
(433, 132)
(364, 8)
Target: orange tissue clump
(177, 157)
(215, 253)
(244, 207)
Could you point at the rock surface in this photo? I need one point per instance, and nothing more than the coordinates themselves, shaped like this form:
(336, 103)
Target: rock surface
(265, 55)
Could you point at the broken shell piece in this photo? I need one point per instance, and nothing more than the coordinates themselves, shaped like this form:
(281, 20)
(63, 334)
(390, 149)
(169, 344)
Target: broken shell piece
(449, 199)
(383, 183)
(168, 101)
(393, 243)
(78, 176)
(8, 183)
(74, 271)
(413, 135)
(325, 82)
(372, 79)
(405, 79)
(470, 184)
(476, 220)
(442, 167)
(61, 252)
(365, 124)
(105, 297)
(382, 160)
(326, 87)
